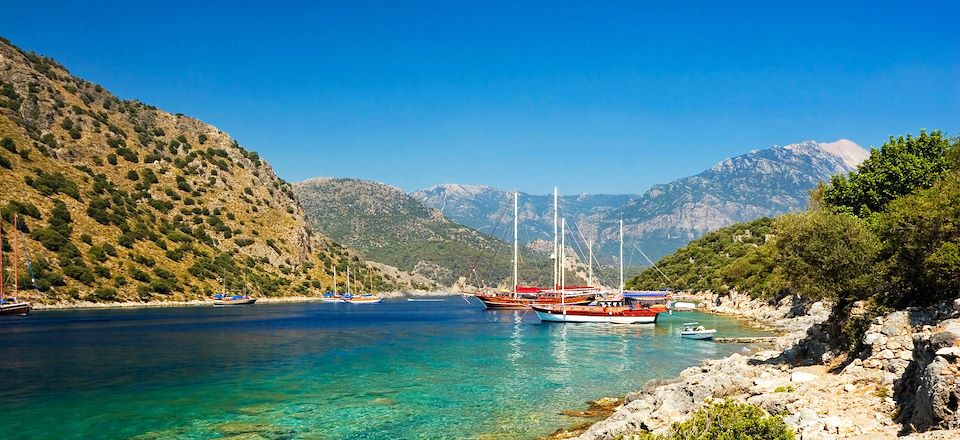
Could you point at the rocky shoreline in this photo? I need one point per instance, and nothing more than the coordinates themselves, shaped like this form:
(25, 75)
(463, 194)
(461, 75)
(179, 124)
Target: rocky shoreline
(201, 302)
(905, 382)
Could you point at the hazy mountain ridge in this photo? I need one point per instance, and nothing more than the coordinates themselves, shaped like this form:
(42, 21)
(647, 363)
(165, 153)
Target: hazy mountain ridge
(392, 227)
(125, 202)
(761, 183)
(481, 207)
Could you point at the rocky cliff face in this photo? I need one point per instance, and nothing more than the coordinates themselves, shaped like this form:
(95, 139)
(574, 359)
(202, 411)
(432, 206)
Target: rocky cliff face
(120, 201)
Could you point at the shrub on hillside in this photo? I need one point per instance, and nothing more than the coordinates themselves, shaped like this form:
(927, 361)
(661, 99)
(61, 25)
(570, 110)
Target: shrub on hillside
(827, 255)
(728, 420)
(901, 166)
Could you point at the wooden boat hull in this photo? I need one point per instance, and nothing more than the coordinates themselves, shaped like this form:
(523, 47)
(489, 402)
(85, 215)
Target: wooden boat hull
(496, 302)
(15, 309)
(596, 314)
(234, 302)
(376, 300)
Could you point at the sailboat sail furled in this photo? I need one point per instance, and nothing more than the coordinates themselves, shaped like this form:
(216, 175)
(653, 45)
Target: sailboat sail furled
(523, 297)
(12, 305)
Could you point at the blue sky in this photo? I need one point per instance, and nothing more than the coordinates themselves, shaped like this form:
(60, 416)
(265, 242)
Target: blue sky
(591, 96)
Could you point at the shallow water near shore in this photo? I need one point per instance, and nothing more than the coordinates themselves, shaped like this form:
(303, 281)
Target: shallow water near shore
(399, 369)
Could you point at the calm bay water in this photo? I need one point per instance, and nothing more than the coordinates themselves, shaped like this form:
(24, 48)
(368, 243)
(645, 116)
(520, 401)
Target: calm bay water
(328, 371)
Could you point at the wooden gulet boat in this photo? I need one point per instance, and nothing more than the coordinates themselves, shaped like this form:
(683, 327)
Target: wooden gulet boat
(333, 297)
(366, 298)
(225, 299)
(616, 310)
(524, 297)
(12, 305)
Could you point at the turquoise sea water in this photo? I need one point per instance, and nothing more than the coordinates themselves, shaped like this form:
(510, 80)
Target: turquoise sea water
(327, 371)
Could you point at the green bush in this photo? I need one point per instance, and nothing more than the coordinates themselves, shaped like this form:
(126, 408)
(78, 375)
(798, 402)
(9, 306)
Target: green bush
(79, 273)
(922, 244)
(112, 159)
(827, 255)
(730, 420)
(900, 167)
(8, 145)
(54, 183)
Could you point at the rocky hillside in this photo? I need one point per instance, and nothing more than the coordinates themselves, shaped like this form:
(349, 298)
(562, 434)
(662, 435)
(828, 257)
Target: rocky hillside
(121, 201)
(389, 226)
(762, 183)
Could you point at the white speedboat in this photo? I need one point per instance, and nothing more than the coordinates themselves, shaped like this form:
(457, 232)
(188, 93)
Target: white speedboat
(692, 330)
(681, 306)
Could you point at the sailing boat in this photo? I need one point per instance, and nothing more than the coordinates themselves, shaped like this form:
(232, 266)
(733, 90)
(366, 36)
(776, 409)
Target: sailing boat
(224, 299)
(620, 309)
(11, 305)
(366, 298)
(333, 297)
(523, 297)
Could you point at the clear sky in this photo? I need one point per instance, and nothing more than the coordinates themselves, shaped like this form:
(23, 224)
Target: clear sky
(591, 96)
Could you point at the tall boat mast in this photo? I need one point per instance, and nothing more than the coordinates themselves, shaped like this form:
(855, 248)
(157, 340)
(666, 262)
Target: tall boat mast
(556, 254)
(590, 261)
(348, 280)
(563, 257)
(1, 261)
(516, 242)
(621, 256)
(334, 280)
(16, 259)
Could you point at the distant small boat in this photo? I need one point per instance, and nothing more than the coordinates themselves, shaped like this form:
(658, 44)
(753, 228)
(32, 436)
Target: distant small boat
(698, 332)
(362, 299)
(11, 305)
(223, 299)
(424, 300)
(366, 298)
(235, 300)
(330, 297)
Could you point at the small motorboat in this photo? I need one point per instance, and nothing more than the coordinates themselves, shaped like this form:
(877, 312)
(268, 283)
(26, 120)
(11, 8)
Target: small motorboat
(693, 330)
(11, 306)
(681, 306)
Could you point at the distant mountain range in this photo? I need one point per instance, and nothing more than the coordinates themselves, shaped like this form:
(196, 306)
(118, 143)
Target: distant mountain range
(390, 226)
(757, 184)
(482, 207)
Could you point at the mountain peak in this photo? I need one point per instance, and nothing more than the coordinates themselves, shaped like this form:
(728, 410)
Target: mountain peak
(460, 189)
(848, 151)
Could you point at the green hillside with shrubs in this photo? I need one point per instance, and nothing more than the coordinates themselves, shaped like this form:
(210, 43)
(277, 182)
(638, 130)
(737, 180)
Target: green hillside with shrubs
(120, 201)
